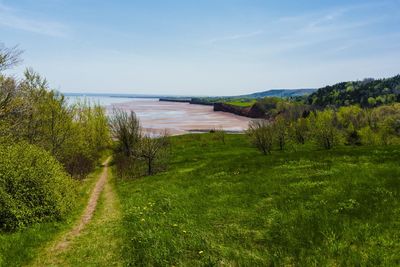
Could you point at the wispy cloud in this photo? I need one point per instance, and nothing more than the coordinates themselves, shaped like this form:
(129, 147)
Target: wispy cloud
(327, 31)
(14, 19)
(235, 37)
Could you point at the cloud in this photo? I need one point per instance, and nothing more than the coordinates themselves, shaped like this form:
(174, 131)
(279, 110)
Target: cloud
(12, 18)
(235, 37)
(329, 33)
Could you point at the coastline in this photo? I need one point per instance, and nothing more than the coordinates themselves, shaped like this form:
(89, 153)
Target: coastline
(179, 118)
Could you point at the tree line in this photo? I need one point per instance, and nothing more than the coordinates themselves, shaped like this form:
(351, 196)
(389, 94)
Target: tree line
(366, 93)
(327, 128)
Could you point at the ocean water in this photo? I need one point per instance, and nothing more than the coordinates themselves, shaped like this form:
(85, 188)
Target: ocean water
(104, 100)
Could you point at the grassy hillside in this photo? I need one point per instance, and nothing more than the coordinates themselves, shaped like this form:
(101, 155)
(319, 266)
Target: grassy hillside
(229, 205)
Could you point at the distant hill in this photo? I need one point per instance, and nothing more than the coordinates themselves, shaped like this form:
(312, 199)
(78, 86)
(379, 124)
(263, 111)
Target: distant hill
(367, 93)
(281, 93)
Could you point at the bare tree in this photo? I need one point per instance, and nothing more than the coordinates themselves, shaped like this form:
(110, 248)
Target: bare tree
(125, 128)
(261, 135)
(153, 150)
(8, 91)
(9, 57)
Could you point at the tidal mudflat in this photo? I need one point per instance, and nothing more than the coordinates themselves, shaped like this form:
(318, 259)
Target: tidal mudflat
(180, 118)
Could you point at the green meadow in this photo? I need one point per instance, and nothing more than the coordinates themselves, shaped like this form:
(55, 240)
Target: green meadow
(228, 205)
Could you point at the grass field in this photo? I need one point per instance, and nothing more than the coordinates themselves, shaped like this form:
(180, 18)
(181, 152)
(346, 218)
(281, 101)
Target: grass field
(228, 205)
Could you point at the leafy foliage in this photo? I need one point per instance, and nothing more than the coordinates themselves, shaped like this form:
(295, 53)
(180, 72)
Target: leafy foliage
(261, 134)
(366, 93)
(31, 111)
(33, 187)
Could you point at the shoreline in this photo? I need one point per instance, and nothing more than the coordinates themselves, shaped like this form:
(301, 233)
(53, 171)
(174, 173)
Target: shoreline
(181, 117)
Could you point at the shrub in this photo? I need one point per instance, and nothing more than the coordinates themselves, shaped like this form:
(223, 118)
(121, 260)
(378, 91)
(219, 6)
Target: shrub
(368, 136)
(33, 187)
(80, 164)
(261, 133)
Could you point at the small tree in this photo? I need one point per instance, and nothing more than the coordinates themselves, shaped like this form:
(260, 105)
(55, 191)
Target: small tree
(153, 150)
(280, 132)
(325, 133)
(125, 128)
(300, 130)
(261, 135)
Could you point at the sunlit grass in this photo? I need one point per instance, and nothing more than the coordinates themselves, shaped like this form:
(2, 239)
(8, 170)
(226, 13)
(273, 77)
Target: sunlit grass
(245, 103)
(233, 206)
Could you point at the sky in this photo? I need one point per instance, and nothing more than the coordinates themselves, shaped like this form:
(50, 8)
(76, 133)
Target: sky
(202, 47)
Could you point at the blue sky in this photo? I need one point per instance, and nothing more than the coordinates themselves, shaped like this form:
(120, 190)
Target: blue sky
(203, 47)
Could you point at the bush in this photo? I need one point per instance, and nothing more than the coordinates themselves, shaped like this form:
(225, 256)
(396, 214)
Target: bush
(261, 133)
(80, 164)
(33, 187)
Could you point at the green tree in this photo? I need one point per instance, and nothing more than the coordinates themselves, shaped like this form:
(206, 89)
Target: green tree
(300, 130)
(325, 132)
(280, 132)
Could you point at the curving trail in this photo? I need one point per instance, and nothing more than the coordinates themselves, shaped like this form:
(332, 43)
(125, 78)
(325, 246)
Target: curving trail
(94, 240)
(90, 208)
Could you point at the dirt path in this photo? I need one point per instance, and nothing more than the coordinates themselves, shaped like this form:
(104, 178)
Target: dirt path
(93, 237)
(88, 214)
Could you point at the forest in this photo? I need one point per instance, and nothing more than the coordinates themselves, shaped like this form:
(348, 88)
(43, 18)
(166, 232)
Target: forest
(366, 93)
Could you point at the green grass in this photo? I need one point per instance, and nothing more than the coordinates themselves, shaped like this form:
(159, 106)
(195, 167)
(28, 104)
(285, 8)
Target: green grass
(228, 205)
(21, 247)
(244, 103)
